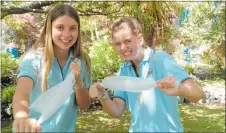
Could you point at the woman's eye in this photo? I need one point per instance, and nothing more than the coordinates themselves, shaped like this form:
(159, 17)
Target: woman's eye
(60, 27)
(73, 28)
(128, 41)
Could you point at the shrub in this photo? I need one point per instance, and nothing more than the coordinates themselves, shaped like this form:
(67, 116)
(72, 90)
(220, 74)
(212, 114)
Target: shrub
(215, 60)
(8, 69)
(7, 94)
(8, 64)
(105, 61)
(188, 68)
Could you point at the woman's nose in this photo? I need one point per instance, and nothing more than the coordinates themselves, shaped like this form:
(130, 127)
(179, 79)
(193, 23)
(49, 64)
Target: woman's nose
(66, 33)
(123, 46)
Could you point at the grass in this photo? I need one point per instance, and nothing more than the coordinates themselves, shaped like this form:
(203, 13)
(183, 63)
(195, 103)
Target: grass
(195, 118)
(199, 118)
(99, 121)
(6, 129)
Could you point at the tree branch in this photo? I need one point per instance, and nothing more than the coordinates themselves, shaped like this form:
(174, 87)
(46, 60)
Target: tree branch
(35, 7)
(91, 12)
(40, 4)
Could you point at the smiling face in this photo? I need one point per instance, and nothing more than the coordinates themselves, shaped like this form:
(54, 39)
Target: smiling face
(125, 41)
(64, 32)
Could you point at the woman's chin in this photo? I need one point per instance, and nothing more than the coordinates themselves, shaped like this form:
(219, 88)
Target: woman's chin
(127, 58)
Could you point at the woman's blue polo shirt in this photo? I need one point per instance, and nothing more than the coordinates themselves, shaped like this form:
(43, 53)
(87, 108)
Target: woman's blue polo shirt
(154, 111)
(64, 119)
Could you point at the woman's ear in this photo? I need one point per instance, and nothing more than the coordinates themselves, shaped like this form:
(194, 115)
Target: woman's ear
(139, 36)
(141, 39)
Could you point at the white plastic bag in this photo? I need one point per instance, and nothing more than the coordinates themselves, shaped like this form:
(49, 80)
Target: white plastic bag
(51, 100)
(131, 84)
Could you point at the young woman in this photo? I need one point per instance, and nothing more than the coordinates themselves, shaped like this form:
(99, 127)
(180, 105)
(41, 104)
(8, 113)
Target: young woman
(155, 110)
(57, 52)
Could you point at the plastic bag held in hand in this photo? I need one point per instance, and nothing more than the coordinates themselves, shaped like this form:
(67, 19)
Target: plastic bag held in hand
(51, 100)
(131, 84)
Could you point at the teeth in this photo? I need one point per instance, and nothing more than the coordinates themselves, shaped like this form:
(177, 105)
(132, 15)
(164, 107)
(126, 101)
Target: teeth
(127, 53)
(65, 41)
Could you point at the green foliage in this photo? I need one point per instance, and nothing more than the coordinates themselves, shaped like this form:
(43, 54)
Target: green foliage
(9, 65)
(206, 58)
(216, 60)
(206, 25)
(6, 129)
(16, 27)
(154, 18)
(188, 68)
(105, 61)
(217, 67)
(7, 94)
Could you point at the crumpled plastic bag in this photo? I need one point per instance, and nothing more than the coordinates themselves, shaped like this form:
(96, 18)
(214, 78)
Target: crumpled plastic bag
(130, 84)
(51, 100)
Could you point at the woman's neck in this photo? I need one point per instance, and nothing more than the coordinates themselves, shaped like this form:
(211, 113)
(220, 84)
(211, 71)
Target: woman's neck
(61, 54)
(139, 59)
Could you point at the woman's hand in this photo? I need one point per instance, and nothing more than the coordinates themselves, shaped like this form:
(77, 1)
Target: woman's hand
(26, 125)
(168, 85)
(75, 68)
(96, 90)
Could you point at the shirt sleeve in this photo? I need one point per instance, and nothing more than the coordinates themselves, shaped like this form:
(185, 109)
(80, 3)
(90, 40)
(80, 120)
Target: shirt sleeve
(29, 67)
(171, 68)
(120, 94)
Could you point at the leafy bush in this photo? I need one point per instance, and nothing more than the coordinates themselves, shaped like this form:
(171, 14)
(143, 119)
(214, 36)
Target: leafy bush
(7, 94)
(105, 61)
(6, 102)
(213, 59)
(8, 69)
(189, 68)
(206, 26)
(8, 64)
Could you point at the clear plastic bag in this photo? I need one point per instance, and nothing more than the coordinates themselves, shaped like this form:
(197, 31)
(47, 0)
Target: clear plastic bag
(51, 100)
(131, 84)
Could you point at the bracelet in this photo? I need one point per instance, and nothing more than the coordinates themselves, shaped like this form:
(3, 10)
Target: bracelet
(103, 96)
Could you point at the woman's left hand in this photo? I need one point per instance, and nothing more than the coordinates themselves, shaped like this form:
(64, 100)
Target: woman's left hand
(167, 85)
(75, 68)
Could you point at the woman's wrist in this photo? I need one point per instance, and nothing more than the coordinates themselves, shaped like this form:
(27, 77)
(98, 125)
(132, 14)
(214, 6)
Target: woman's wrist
(79, 84)
(21, 114)
(104, 95)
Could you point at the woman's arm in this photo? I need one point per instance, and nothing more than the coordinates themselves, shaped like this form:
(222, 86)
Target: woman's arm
(82, 95)
(191, 90)
(22, 122)
(114, 108)
(188, 89)
(21, 97)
